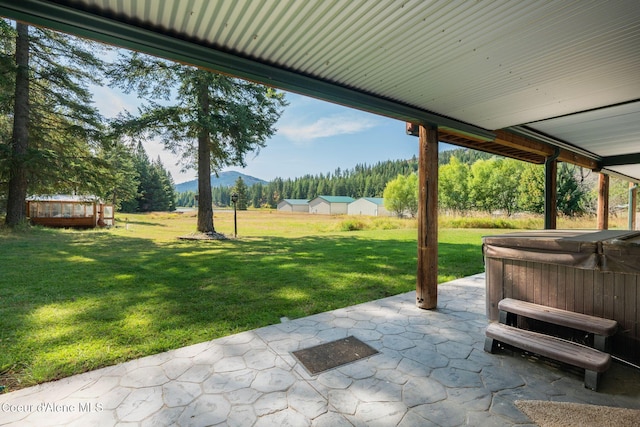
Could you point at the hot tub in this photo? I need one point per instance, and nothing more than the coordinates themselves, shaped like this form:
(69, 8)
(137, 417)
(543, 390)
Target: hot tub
(585, 271)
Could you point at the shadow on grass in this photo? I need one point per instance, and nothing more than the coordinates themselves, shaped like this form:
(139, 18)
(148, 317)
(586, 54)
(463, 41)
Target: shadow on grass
(77, 301)
(123, 222)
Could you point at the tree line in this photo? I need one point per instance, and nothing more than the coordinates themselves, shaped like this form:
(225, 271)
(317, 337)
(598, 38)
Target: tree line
(492, 183)
(469, 180)
(360, 181)
(507, 185)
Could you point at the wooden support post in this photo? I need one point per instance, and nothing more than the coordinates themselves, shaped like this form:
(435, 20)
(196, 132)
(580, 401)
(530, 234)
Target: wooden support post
(633, 204)
(603, 202)
(427, 275)
(551, 191)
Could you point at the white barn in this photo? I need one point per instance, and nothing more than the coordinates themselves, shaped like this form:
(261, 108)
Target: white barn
(372, 206)
(330, 205)
(293, 205)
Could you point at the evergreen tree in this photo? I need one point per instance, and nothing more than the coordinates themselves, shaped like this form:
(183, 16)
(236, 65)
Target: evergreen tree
(571, 196)
(214, 122)
(464, 155)
(55, 129)
(156, 190)
(240, 188)
(186, 199)
(161, 191)
(257, 196)
(121, 181)
(272, 200)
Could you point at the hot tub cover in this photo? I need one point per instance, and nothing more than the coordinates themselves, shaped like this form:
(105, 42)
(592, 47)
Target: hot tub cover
(576, 248)
(622, 254)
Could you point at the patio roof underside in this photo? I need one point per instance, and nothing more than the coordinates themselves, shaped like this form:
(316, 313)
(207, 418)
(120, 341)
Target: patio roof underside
(517, 78)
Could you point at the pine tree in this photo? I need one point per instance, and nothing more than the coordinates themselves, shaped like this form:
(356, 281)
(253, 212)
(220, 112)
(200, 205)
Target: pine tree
(214, 122)
(571, 196)
(156, 190)
(55, 129)
(257, 196)
(240, 188)
(121, 181)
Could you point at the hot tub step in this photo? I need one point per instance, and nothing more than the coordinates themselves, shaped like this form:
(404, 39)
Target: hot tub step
(601, 328)
(594, 362)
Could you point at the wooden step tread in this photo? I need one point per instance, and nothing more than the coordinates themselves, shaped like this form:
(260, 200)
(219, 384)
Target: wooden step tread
(551, 347)
(580, 321)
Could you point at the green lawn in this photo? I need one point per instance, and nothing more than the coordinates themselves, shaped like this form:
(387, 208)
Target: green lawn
(78, 300)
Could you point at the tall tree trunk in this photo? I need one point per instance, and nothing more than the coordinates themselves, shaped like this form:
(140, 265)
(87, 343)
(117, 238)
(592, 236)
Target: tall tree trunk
(16, 200)
(205, 202)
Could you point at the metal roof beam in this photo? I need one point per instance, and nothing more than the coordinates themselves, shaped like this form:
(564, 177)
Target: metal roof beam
(622, 159)
(516, 146)
(546, 144)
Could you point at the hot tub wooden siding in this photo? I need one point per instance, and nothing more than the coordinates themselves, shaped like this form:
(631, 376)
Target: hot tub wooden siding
(607, 294)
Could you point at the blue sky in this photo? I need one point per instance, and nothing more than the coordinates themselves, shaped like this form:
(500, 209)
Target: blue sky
(312, 137)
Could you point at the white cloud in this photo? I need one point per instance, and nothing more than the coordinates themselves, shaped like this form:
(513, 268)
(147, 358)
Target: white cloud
(111, 102)
(326, 127)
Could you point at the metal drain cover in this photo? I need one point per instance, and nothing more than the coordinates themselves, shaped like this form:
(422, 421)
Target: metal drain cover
(327, 356)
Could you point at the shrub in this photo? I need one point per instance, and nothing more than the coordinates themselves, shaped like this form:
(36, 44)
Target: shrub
(384, 224)
(479, 223)
(352, 224)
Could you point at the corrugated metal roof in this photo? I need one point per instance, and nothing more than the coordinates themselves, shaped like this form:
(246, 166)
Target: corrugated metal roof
(64, 198)
(296, 201)
(336, 199)
(376, 200)
(487, 65)
(494, 63)
(593, 129)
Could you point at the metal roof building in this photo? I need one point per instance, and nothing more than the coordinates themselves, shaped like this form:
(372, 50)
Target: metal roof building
(293, 205)
(330, 205)
(373, 206)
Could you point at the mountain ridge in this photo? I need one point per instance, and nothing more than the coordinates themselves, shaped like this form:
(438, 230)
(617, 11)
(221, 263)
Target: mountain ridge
(224, 179)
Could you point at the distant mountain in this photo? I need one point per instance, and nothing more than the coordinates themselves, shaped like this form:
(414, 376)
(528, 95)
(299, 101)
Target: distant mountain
(224, 179)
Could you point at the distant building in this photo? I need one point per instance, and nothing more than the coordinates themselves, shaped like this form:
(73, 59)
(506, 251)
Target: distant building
(372, 206)
(294, 205)
(330, 205)
(69, 211)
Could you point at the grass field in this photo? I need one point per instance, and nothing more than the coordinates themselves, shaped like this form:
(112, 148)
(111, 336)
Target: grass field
(73, 301)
